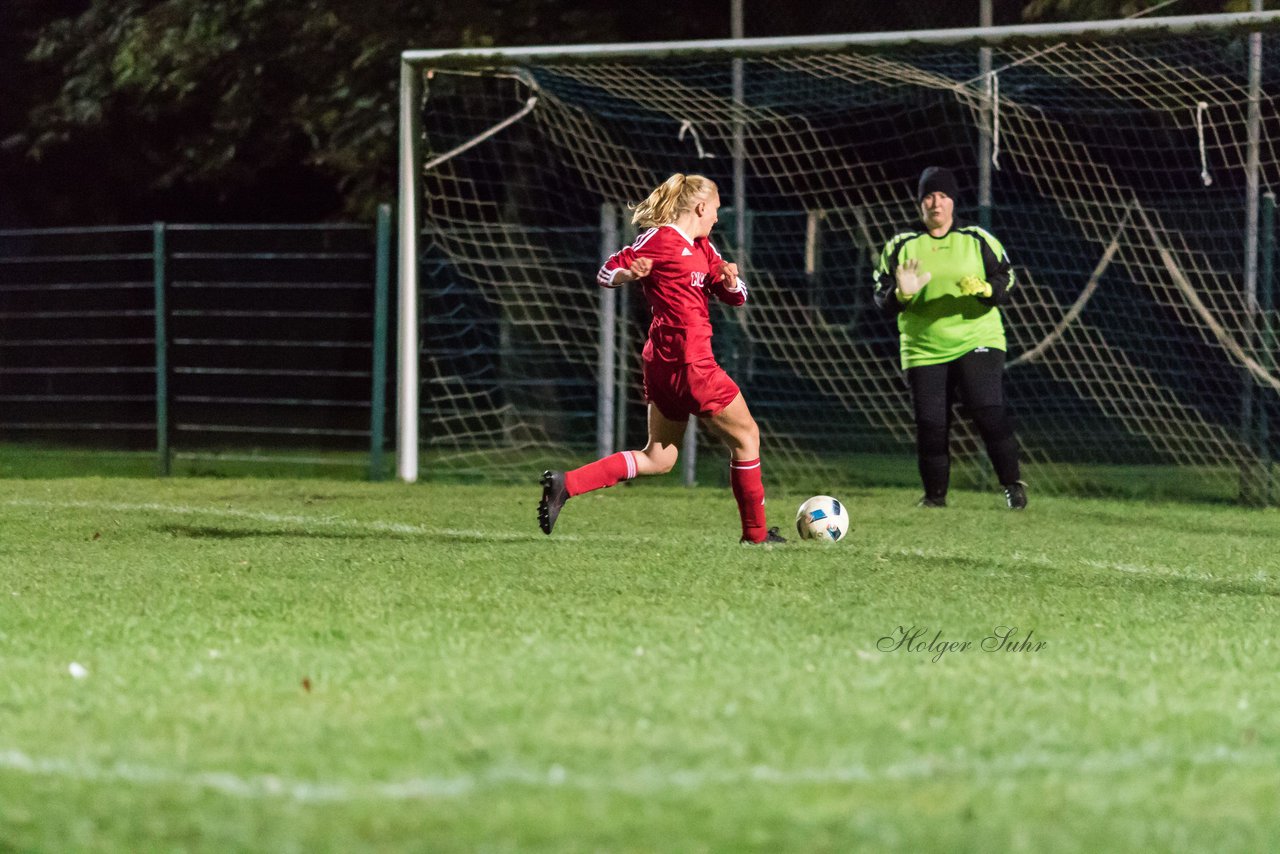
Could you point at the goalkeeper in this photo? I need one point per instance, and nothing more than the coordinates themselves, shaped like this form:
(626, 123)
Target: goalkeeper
(944, 282)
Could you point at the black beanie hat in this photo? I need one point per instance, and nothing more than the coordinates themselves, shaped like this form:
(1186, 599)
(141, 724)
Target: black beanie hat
(935, 179)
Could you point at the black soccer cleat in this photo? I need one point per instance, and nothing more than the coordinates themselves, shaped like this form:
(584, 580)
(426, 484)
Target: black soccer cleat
(932, 501)
(1015, 495)
(771, 537)
(554, 495)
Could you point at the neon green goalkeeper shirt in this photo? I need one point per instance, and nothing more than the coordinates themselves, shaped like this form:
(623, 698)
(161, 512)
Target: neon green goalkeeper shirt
(940, 323)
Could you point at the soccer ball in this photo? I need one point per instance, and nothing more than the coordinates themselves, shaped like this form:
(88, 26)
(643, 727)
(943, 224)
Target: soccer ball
(822, 518)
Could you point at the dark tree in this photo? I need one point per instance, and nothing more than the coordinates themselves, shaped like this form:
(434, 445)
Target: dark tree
(131, 110)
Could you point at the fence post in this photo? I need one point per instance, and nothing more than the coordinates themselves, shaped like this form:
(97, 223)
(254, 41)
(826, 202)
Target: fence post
(160, 280)
(606, 341)
(985, 20)
(1266, 307)
(1250, 487)
(378, 392)
(983, 470)
(622, 347)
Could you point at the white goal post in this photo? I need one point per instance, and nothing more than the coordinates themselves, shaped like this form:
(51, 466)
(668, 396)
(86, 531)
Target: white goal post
(1086, 125)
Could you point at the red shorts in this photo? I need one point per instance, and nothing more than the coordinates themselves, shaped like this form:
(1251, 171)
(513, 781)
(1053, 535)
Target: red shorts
(679, 390)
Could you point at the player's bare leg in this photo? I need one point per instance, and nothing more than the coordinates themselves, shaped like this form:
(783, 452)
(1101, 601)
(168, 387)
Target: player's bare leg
(665, 436)
(657, 457)
(737, 429)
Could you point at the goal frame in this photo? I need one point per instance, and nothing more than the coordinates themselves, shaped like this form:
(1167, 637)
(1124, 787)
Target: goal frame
(411, 167)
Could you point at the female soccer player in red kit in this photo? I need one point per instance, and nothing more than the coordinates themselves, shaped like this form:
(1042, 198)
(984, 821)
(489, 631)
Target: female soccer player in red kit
(679, 270)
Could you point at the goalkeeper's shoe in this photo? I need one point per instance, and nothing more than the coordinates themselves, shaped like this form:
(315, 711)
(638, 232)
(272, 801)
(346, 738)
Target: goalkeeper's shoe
(771, 537)
(554, 495)
(1015, 495)
(932, 501)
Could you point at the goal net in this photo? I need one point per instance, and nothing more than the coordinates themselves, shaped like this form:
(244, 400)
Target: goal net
(1119, 176)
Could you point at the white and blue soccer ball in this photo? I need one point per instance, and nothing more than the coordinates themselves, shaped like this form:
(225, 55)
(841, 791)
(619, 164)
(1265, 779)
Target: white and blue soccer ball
(822, 518)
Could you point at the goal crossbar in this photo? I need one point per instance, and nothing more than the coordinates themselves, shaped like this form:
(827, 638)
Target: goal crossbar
(1018, 34)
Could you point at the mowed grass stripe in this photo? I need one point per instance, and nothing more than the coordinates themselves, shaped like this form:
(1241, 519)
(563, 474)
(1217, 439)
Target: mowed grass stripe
(277, 518)
(635, 781)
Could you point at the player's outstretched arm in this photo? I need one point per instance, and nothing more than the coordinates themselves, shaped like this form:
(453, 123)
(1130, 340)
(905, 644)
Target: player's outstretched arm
(889, 299)
(641, 267)
(638, 269)
(727, 285)
(622, 267)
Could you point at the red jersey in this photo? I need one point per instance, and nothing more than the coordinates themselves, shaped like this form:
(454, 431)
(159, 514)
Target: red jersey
(685, 273)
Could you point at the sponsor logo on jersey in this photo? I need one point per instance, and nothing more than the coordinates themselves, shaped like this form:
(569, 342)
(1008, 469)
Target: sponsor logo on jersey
(696, 279)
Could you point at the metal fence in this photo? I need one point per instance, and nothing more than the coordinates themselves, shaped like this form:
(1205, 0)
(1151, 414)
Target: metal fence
(235, 342)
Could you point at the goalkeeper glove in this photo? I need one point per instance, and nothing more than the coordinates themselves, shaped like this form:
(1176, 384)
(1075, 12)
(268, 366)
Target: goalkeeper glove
(910, 279)
(972, 286)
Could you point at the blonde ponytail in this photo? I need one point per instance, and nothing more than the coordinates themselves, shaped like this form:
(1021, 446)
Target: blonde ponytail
(673, 198)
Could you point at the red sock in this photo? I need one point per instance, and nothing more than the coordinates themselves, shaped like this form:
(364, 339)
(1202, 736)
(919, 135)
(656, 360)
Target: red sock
(601, 473)
(748, 490)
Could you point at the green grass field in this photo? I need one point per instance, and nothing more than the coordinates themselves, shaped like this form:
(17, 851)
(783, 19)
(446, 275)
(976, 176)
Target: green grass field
(319, 665)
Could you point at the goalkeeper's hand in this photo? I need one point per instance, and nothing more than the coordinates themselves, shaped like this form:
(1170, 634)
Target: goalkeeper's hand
(972, 286)
(909, 279)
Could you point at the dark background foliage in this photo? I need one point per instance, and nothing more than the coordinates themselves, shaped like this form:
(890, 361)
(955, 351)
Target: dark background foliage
(285, 110)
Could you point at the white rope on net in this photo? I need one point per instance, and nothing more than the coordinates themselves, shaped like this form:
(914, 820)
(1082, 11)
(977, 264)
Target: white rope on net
(993, 92)
(1202, 107)
(686, 126)
(529, 104)
(1202, 311)
(1078, 306)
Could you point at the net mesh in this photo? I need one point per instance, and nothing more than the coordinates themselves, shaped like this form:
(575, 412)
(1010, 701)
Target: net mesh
(1118, 190)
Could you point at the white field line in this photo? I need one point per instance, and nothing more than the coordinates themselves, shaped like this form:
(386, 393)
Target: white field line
(1046, 562)
(650, 780)
(278, 518)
